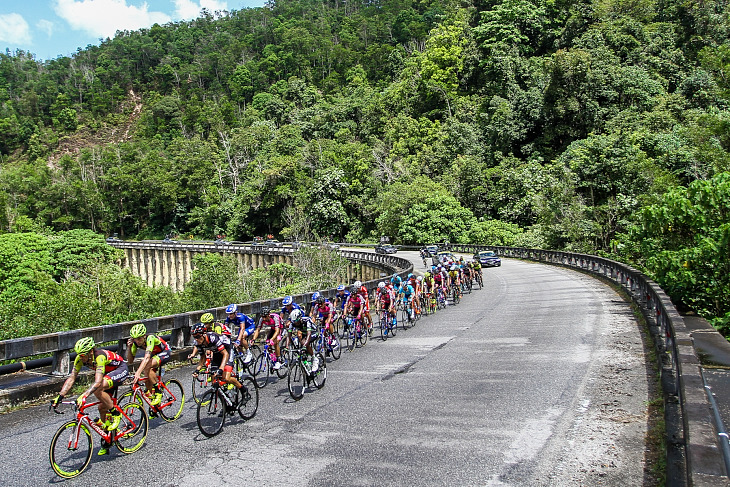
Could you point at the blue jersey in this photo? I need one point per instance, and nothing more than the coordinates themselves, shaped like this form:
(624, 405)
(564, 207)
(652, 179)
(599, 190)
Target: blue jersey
(407, 290)
(242, 321)
(343, 298)
(294, 306)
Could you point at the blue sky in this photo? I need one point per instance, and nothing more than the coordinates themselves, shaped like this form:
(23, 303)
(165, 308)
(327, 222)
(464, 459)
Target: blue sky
(52, 28)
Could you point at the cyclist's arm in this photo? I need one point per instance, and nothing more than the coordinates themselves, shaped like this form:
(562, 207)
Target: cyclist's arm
(69, 383)
(143, 364)
(98, 382)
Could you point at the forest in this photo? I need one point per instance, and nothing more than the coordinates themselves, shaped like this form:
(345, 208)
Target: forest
(597, 126)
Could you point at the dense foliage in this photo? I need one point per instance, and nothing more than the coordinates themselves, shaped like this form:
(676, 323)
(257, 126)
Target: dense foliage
(71, 279)
(574, 125)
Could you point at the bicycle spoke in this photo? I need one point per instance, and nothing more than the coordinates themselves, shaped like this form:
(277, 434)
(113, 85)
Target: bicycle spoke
(69, 456)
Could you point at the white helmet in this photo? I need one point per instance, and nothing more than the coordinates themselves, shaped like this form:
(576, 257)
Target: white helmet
(381, 285)
(420, 278)
(357, 284)
(296, 315)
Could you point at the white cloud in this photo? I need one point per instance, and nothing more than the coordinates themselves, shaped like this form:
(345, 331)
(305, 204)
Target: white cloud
(46, 26)
(14, 29)
(189, 9)
(102, 18)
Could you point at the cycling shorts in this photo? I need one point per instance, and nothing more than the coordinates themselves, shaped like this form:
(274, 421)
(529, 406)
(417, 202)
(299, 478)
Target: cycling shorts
(115, 377)
(163, 357)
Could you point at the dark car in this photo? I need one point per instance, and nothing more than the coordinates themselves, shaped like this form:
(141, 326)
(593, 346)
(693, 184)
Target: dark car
(488, 258)
(384, 248)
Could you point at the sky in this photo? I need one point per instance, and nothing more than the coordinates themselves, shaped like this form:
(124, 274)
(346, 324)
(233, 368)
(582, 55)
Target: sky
(53, 28)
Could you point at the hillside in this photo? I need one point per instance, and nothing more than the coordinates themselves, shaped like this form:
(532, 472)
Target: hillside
(579, 125)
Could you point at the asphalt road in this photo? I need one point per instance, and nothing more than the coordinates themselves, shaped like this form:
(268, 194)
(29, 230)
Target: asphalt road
(538, 379)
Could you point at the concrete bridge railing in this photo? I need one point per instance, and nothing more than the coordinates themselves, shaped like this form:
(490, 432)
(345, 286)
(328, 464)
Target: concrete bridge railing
(693, 454)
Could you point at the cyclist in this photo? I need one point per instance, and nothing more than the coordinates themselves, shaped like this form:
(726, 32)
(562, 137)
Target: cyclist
(323, 310)
(386, 301)
(221, 347)
(354, 306)
(408, 294)
(215, 326)
(288, 305)
(111, 371)
(275, 325)
(341, 298)
(246, 325)
(304, 325)
(454, 276)
(157, 354)
(363, 291)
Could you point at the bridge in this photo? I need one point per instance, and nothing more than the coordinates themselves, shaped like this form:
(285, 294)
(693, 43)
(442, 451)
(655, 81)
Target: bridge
(542, 378)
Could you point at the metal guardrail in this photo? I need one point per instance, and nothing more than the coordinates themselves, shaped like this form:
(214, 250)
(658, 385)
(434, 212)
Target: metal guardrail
(60, 344)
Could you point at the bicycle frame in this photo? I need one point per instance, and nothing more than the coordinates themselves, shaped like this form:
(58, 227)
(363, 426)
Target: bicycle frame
(137, 388)
(83, 417)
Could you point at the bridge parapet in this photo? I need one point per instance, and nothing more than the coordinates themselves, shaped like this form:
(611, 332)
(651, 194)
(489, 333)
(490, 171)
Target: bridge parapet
(60, 344)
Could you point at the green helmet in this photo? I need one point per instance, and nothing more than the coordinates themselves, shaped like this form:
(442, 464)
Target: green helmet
(84, 345)
(207, 318)
(138, 330)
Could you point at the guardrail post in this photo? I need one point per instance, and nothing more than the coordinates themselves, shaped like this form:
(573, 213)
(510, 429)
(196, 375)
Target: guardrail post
(61, 363)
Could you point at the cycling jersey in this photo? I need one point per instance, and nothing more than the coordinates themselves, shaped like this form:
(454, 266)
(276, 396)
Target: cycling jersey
(407, 290)
(343, 298)
(104, 359)
(285, 310)
(221, 329)
(153, 344)
(217, 343)
(272, 320)
(324, 310)
(242, 321)
(386, 298)
(356, 301)
(305, 324)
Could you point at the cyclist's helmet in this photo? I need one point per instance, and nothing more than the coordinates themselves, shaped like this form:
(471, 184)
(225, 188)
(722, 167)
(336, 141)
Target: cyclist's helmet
(85, 345)
(315, 296)
(320, 299)
(427, 275)
(138, 330)
(341, 287)
(381, 285)
(295, 315)
(420, 278)
(197, 329)
(357, 284)
(287, 301)
(231, 308)
(265, 310)
(410, 276)
(207, 318)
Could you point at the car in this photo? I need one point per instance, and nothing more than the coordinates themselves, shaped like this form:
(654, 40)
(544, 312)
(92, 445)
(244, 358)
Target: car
(432, 249)
(385, 248)
(443, 256)
(331, 246)
(273, 243)
(488, 258)
(114, 238)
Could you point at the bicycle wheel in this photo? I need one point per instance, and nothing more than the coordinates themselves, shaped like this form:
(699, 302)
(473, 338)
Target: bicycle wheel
(384, 328)
(297, 378)
(68, 457)
(393, 326)
(248, 399)
(133, 428)
(404, 318)
(338, 327)
(320, 377)
(335, 347)
(256, 352)
(211, 412)
(350, 337)
(261, 370)
(363, 337)
(173, 400)
(282, 371)
(200, 385)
